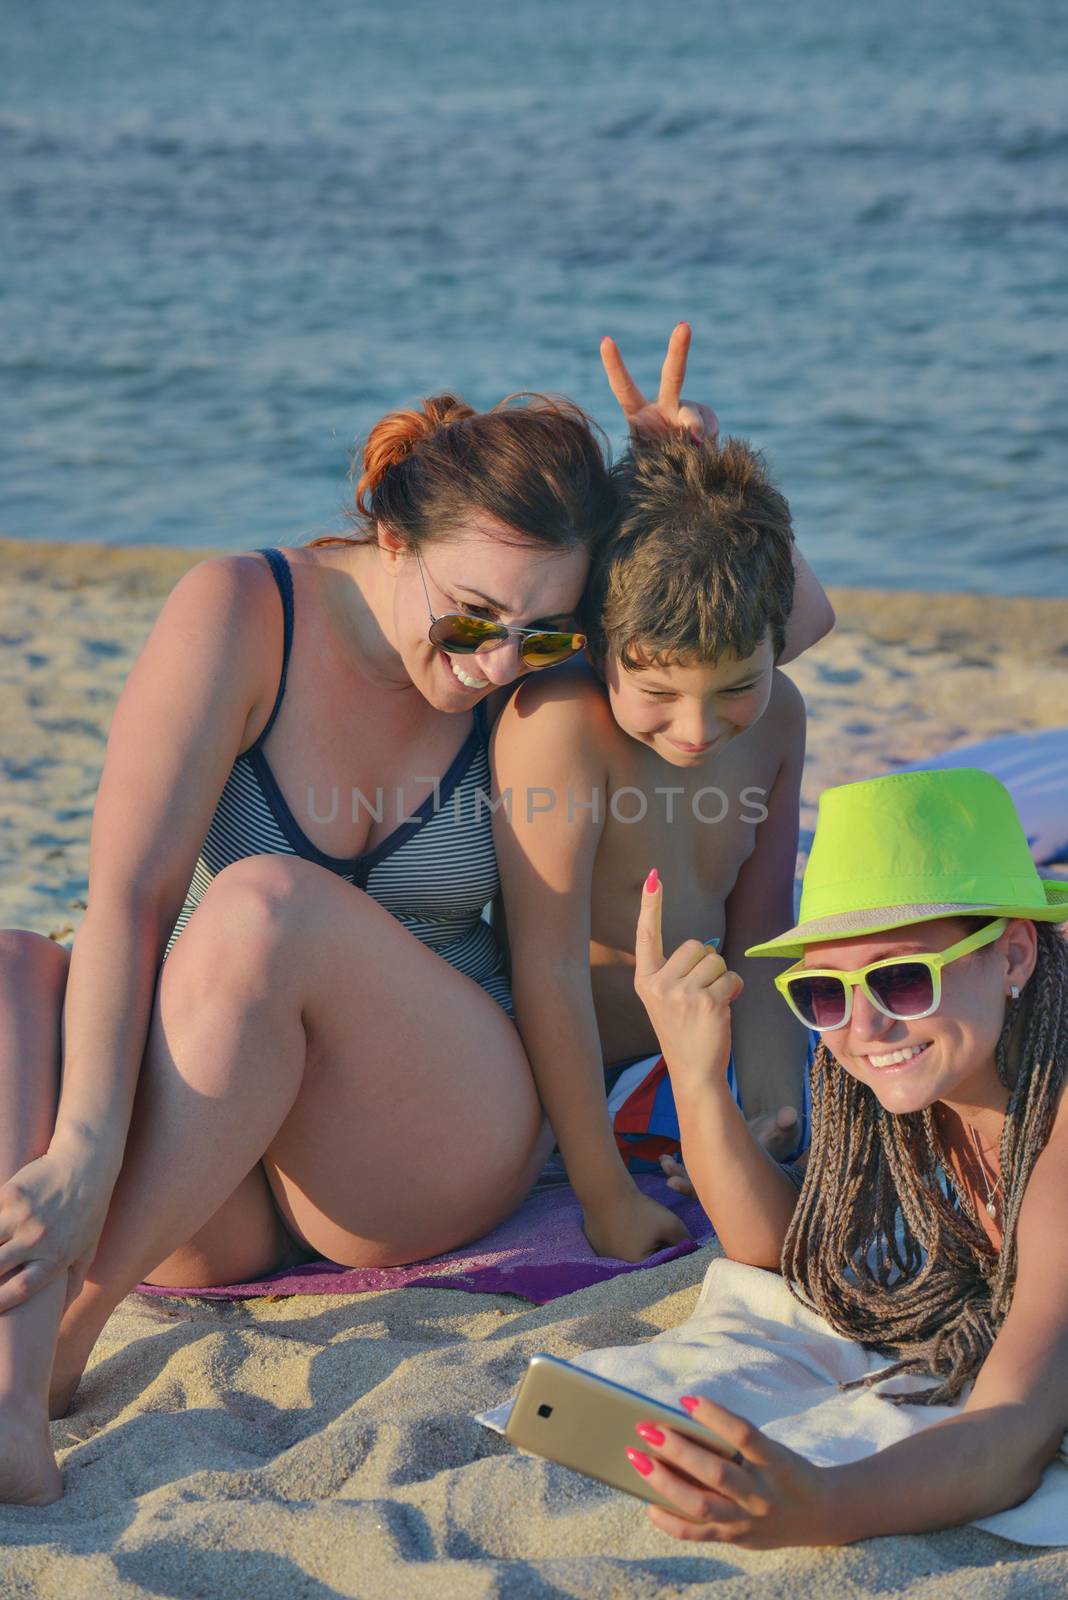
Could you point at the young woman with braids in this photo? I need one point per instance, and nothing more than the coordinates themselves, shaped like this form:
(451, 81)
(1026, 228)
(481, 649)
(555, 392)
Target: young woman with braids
(930, 1219)
(292, 799)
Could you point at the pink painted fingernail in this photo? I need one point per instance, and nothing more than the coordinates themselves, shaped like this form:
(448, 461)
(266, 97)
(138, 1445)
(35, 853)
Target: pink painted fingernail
(689, 1402)
(646, 1431)
(639, 1462)
(652, 882)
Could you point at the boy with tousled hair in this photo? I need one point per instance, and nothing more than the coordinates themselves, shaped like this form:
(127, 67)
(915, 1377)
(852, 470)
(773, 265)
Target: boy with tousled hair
(684, 752)
(701, 564)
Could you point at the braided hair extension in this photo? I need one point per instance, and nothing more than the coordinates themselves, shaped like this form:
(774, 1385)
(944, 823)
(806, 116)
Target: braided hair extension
(883, 1243)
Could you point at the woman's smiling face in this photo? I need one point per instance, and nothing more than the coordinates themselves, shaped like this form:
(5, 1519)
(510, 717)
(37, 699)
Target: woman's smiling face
(950, 1055)
(483, 572)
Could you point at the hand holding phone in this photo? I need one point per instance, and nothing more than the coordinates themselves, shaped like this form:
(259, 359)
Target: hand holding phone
(754, 1492)
(588, 1423)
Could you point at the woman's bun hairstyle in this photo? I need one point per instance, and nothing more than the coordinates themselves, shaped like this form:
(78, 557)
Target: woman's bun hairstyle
(532, 465)
(394, 438)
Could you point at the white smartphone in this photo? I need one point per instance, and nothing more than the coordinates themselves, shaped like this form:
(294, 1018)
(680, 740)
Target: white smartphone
(587, 1423)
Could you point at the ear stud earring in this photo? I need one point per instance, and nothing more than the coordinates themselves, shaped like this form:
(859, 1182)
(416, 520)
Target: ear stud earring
(1014, 992)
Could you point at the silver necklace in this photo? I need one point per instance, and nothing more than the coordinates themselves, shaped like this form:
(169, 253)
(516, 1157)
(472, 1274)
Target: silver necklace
(991, 1189)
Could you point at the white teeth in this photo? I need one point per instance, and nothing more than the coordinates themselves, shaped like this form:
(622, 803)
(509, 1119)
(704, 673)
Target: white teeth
(897, 1057)
(468, 683)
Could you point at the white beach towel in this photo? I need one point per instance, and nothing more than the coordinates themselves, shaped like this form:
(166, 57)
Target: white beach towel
(750, 1346)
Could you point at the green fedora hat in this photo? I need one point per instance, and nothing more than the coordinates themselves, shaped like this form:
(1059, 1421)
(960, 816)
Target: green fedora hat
(913, 847)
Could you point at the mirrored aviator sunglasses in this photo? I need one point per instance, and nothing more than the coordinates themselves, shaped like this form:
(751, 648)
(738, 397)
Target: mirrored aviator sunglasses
(905, 988)
(460, 635)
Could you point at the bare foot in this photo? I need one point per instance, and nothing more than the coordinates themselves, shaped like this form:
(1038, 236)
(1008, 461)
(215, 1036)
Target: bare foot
(28, 1472)
(677, 1176)
(778, 1133)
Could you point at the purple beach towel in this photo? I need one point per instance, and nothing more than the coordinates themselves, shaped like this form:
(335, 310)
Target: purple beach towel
(539, 1253)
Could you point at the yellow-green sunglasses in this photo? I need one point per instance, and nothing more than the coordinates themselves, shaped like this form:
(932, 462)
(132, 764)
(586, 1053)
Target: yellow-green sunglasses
(903, 987)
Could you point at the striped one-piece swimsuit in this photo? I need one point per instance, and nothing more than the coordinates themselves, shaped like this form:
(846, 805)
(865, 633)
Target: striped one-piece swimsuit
(435, 872)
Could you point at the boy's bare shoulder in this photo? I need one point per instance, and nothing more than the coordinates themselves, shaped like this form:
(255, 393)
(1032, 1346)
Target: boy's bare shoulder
(786, 708)
(570, 702)
(778, 739)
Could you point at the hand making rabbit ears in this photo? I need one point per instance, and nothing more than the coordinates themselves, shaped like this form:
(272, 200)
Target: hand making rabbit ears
(668, 413)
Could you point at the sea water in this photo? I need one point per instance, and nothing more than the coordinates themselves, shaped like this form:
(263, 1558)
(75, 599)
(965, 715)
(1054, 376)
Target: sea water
(234, 233)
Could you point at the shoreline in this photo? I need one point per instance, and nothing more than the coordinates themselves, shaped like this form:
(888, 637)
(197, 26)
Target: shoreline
(904, 676)
(889, 611)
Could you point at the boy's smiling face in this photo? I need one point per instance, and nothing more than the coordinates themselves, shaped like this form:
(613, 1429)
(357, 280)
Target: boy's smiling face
(688, 710)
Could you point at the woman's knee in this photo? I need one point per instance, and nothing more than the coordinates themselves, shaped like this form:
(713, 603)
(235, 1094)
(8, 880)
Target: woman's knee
(31, 967)
(245, 934)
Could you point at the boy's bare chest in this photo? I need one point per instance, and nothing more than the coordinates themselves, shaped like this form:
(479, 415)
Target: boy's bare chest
(696, 826)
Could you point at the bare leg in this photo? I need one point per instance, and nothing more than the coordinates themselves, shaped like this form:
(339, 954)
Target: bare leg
(244, 1239)
(297, 1021)
(33, 975)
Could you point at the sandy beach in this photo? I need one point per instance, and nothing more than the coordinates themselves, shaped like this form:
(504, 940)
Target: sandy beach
(327, 1446)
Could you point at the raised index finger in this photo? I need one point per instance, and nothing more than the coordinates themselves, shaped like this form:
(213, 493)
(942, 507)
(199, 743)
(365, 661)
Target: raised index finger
(673, 372)
(649, 943)
(620, 381)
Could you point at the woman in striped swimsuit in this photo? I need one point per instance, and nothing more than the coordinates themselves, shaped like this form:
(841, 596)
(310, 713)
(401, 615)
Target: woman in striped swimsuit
(294, 809)
(285, 1024)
